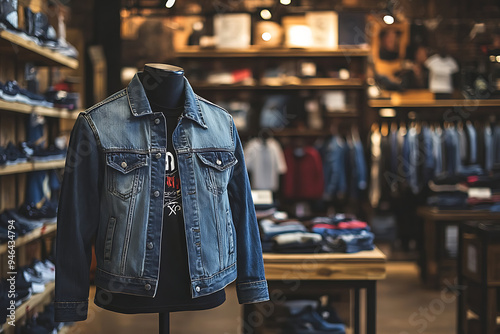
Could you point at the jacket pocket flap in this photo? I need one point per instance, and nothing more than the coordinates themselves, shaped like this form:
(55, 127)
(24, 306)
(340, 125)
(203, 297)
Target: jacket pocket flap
(126, 162)
(220, 160)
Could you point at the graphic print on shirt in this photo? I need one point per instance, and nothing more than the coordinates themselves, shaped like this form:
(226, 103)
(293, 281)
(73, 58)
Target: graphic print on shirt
(172, 196)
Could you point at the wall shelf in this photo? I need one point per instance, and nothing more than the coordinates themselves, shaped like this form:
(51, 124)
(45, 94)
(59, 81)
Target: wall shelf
(43, 111)
(28, 50)
(322, 83)
(387, 103)
(31, 236)
(31, 166)
(196, 52)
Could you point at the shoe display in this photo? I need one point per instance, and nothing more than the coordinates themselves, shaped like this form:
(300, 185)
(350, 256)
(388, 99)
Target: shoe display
(49, 154)
(14, 155)
(11, 92)
(22, 295)
(8, 14)
(46, 213)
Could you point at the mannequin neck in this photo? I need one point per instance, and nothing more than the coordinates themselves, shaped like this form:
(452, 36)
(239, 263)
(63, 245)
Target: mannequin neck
(164, 85)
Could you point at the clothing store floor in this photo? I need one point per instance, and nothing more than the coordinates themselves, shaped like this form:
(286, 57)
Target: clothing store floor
(404, 307)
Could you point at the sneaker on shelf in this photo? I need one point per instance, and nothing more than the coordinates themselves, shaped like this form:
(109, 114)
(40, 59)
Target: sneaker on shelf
(46, 213)
(49, 154)
(62, 99)
(47, 273)
(3, 156)
(11, 92)
(25, 280)
(34, 99)
(32, 276)
(8, 14)
(22, 295)
(14, 155)
(4, 301)
(19, 227)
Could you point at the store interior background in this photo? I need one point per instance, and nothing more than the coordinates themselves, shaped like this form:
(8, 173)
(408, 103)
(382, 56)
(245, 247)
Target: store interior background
(378, 83)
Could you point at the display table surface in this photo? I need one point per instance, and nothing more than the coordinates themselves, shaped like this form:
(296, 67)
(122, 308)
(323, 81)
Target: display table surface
(433, 261)
(320, 273)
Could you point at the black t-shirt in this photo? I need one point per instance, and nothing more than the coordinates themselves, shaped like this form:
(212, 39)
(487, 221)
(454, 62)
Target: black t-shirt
(174, 291)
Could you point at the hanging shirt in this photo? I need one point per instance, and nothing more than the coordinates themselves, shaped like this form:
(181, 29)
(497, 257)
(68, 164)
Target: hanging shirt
(441, 71)
(265, 161)
(174, 293)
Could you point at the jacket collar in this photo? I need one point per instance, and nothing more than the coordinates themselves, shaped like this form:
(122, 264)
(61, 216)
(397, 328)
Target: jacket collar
(139, 104)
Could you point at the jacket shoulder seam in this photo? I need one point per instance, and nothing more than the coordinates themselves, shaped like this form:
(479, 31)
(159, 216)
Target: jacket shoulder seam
(107, 100)
(93, 128)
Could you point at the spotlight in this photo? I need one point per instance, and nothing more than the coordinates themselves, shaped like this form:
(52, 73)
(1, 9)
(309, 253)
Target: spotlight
(388, 19)
(266, 36)
(265, 14)
(170, 3)
(285, 2)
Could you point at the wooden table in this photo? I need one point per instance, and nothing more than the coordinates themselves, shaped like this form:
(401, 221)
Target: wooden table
(321, 273)
(432, 260)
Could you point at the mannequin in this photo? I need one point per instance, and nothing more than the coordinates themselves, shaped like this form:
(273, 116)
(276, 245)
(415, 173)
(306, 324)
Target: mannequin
(164, 86)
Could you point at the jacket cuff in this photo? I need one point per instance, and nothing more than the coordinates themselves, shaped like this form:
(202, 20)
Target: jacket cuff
(252, 292)
(70, 311)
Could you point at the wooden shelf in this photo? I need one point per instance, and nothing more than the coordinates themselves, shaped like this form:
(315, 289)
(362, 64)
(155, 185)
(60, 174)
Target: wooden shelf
(196, 52)
(321, 83)
(387, 103)
(30, 304)
(299, 133)
(29, 50)
(31, 236)
(43, 111)
(31, 166)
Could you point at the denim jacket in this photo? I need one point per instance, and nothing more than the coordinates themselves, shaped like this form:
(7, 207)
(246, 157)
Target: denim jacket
(113, 191)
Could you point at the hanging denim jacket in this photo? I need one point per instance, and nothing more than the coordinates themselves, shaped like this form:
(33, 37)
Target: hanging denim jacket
(113, 188)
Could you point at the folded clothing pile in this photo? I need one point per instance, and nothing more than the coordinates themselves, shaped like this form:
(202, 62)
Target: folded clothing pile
(353, 235)
(339, 234)
(309, 317)
(466, 192)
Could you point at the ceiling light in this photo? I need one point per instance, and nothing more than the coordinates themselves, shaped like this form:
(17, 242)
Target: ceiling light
(387, 112)
(388, 19)
(285, 2)
(266, 36)
(170, 3)
(265, 14)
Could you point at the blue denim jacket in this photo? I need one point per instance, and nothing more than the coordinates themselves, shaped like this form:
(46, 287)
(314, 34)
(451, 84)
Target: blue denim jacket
(113, 190)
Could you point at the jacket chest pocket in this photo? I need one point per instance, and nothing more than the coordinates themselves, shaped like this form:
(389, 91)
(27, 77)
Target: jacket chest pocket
(125, 173)
(216, 167)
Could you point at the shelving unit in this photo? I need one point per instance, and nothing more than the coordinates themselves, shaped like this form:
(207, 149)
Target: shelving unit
(43, 111)
(17, 49)
(31, 167)
(31, 236)
(345, 51)
(387, 103)
(259, 60)
(27, 50)
(322, 83)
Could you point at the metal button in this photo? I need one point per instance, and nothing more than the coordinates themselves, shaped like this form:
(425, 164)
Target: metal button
(156, 193)
(218, 162)
(149, 245)
(124, 164)
(197, 289)
(157, 121)
(147, 287)
(158, 155)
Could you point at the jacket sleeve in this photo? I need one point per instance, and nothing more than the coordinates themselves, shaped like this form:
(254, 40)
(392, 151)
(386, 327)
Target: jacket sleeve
(251, 284)
(77, 221)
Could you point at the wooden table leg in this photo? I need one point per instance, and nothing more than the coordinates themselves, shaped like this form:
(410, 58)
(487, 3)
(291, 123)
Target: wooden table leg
(356, 311)
(371, 307)
(430, 253)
